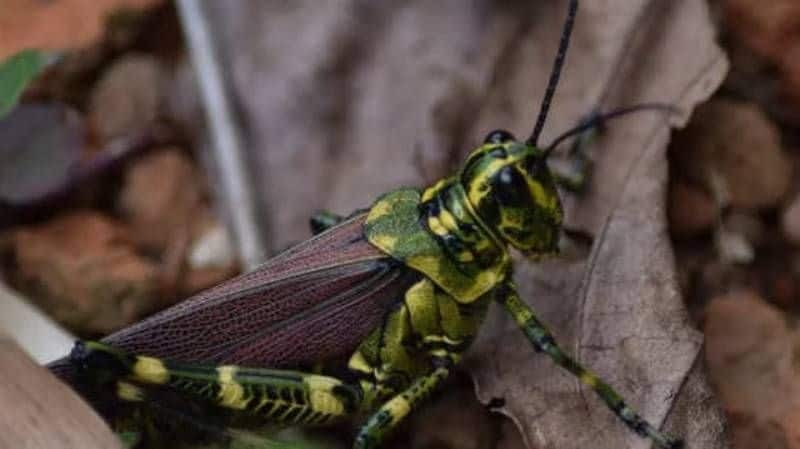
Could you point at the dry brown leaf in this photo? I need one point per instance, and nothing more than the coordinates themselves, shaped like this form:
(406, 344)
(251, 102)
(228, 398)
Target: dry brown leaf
(345, 100)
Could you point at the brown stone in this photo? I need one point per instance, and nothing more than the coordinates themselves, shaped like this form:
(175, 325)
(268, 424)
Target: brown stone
(162, 198)
(127, 98)
(750, 352)
(83, 269)
(735, 151)
(691, 210)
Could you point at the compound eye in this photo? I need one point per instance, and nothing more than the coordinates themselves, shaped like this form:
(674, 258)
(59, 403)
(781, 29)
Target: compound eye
(499, 136)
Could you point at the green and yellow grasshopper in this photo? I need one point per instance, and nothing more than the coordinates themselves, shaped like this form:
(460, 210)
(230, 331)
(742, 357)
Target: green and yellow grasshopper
(368, 317)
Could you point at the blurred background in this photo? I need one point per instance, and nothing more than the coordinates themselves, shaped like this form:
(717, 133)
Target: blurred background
(116, 202)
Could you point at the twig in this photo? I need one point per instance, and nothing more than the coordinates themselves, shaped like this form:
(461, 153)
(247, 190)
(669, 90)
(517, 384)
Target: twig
(226, 142)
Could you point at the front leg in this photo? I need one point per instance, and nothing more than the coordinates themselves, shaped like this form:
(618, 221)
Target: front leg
(542, 340)
(391, 413)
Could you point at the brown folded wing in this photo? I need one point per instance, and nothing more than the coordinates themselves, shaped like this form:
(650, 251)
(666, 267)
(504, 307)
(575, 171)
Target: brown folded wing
(314, 302)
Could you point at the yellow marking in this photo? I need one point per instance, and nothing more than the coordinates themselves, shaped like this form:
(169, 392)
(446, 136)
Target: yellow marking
(441, 338)
(426, 264)
(261, 404)
(398, 408)
(520, 313)
(479, 186)
(487, 279)
(436, 226)
(359, 363)
(539, 194)
(383, 373)
(419, 300)
(380, 209)
(128, 392)
(321, 395)
(589, 379)
(286, 413)
(431, 192)
(465, 256)
(512, 217)
(231, 393)
(439, 353)
(463, 293)
(483, 245)
(150, 370)
(447, 220)
(384, 242)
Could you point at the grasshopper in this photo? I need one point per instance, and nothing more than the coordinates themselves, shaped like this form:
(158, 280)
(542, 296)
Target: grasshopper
(368, 317)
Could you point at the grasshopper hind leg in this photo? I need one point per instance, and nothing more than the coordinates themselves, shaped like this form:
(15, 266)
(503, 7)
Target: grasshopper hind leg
(217, 396)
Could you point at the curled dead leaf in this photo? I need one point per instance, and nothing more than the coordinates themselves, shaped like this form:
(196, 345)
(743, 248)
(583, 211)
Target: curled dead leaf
(342, 111)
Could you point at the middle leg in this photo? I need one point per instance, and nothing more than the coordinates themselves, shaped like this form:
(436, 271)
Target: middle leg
(391, 413)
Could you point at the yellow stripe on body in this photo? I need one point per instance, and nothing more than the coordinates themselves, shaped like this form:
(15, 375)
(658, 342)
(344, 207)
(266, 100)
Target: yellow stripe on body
(359, 363)
(231, 393)
(150, 370)
(436, 226)
(384, 242)
(448, 220)
(380, 209)
(398, 407)
(321, 397)
(479, 187)
(129, 392)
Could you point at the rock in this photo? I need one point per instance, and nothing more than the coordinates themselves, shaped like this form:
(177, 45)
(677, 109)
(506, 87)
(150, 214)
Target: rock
(213, 248)
(769, 28)
(747, 225)
(790, 221)
(211, 259)
(784, 290)
(791, 73)
(733, 247)
(772, 30)
(82, 268)
(790, 422)
(750, 352)
(691, 210)
(162, 199)
(127, 98)
(733, 150)
(738, 236)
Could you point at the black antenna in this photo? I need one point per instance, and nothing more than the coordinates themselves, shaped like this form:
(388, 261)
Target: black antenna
(555, 73)
(599, 119)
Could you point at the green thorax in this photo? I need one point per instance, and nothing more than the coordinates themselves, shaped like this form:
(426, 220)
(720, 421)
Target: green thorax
(438, 234)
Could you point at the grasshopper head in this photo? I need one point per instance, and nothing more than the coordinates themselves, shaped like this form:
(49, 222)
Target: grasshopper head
(510, 187)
